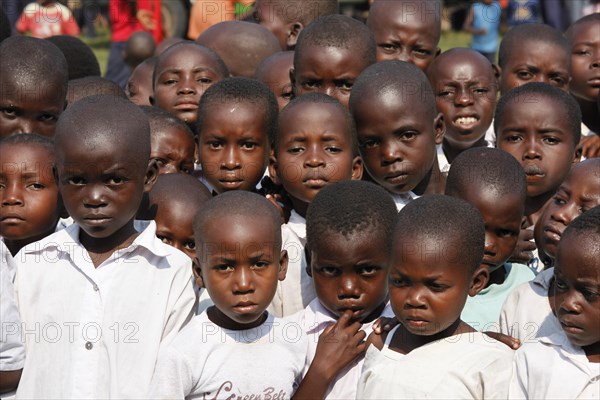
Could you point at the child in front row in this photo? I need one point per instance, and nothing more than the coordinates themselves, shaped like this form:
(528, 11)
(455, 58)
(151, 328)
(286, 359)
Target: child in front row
(437, 249)
(398, 130)
(235, 348)
(349, 225)
(112, 296)
(566, 363)
(315, 146)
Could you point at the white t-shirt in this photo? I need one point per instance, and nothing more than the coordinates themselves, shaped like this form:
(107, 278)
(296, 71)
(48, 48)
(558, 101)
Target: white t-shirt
(466, 366)
(313, 320)
(553, 368)
(526, 313)
(95, 332)
(297, 290)
(209, 362)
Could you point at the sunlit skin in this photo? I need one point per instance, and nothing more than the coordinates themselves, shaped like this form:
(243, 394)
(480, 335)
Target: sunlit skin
(535, 61)
(329, 70)
(240, 264)
(30, 200)
(173, 150)
(234, 146)
(314, 150)
(174, 225)
(579, 193)
(577, 292)
(139, 87)
(350, 273)
(269, 15)
(403, 34)
(275, 73)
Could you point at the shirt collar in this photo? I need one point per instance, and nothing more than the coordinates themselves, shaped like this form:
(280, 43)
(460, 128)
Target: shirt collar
(403, 199)
(297, 224)
(442, 160)
(544, 278)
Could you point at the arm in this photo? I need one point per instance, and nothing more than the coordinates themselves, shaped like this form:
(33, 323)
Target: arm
(9, 380)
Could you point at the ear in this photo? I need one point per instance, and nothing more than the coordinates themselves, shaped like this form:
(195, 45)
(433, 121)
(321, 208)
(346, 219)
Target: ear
(283, 265)
(496, 71)
(357, 168)
(578, 152)
(292, 34)
(273, 167)
(196, 149)
(480, 279)
(197, 272)
(151, 175)
(439, 127)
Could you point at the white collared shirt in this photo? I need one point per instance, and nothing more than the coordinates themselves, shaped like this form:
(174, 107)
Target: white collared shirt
(95, 332)
(553, 368)
(403, 199)
(490, 141)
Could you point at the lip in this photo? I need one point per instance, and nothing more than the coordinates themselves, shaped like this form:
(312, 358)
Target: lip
(552, 233)
(99, 219)
(466, 121)
(230, 182)
(594, 82)
(356, 311)
(489, 263)
(417, 323)
(396, 178)
(314, 183)
(11, 218)
(245, 307)
(186, 105)
(570, 328)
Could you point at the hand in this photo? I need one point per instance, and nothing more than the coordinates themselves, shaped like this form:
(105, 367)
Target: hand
(384, 324)
(145, 18)
(589, 146)
(283, 206)
(525, 246)
(510, 341)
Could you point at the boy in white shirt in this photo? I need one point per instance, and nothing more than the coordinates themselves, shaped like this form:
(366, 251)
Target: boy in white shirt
(235, 348)
(436, 258)
(98, 299)
(566, 364)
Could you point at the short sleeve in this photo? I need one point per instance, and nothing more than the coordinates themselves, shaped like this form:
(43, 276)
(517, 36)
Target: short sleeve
(12, 348)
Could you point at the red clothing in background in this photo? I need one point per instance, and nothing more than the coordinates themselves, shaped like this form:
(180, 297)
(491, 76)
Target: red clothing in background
(124, 21)
(45, 21)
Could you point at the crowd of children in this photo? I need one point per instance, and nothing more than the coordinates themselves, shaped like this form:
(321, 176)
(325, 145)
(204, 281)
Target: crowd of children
(358, 215)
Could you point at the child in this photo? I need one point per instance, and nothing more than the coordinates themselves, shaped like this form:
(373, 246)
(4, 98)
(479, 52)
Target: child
(235, 347)
(134, 293)
(407, 30)
(349, 226)
(181, 75)
(465, 85)
(534, 53)
(242, 45)
(315, 146)
(566, 364)
(540, 126)
(237, 120)
(526, 314)
(437, 248)
(139, 47)
(31, 204)
(482, 176)
(33, 86)
(80, 57)
(330, 54)
(172, 143)
(584, 38)
(398, 130)
(139, 86)
(45, 18)
(275, 73)
(286, 18)
(483, 22)
(92, 86)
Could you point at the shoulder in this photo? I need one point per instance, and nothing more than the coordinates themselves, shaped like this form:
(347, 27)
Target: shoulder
(63, 241)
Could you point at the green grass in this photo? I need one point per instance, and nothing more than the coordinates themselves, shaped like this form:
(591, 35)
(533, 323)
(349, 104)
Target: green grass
(452, 39)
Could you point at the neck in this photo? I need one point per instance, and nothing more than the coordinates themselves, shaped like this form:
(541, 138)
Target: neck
(375, 313)
(404, 341)
(15, 245)
(592, 352)
(452, 152)
(434, 181)
(535, 205)
(589, 114)
(100, 249)
(497, 276)
(299, 206)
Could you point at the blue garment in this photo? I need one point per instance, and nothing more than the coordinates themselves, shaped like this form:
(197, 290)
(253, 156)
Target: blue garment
(523, 12)
(486, 17)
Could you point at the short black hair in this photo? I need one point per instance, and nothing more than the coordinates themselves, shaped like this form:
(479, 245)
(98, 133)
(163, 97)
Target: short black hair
(177, 189)
(320, 98)
(239, 90)
(535, 91)
(453, 223)
(161, 120)
(422, 10)
(338, 31)
(531, 33)
(139, 46)
(587, 225)
(90, 86)
(486, 169)
(303, 11)
(5, 30)
(80, 57)
(397, 78)
(349, 208)
(237, 203)
(30, 139)
(595, 17)
(105, 118)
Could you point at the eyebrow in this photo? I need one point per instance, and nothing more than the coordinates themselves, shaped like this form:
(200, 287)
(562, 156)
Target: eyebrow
(178, 70)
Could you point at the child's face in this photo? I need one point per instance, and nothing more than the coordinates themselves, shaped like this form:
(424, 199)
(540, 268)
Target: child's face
(29, 109)
(502, 223)
(174, 223)
(577, 291)
(428, 285)
(234, 146)
(139, 86)
(585, 60)
(277, 77)
(538, 135)
(314, 150)
(579, 193)
(181, 78)
(400, 37)
(240, 265)
(173, 149)
(101, 189)
(397, 140)
(266, 14)
(328, 70)
(350, 273)
(465, 92)
(30, 199)
(535, 61)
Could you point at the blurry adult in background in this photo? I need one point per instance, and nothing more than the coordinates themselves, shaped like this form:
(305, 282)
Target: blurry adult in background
(206, 13)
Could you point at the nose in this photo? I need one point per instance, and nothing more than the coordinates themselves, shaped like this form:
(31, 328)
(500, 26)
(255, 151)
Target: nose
(490, 246)
(531, 149)
(186, 86)
(12, 195)
(231, 159)
(570, 303)
(313, 156)
(348, 287)
(390, 152)
(463, 98)
(403, 55)
(565, 213)
(242, 281)
(415, 298)
(169, 169)
(596, 62)
(25, 125)
(94, 197)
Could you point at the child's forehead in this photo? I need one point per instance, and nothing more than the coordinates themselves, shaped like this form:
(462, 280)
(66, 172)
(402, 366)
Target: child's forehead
(577, 255)
(588, 32)
(30, 154)
(185, 55)
(314, 54)
(538, 52)
(460, 64)
(406, 16)
(584, 173)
